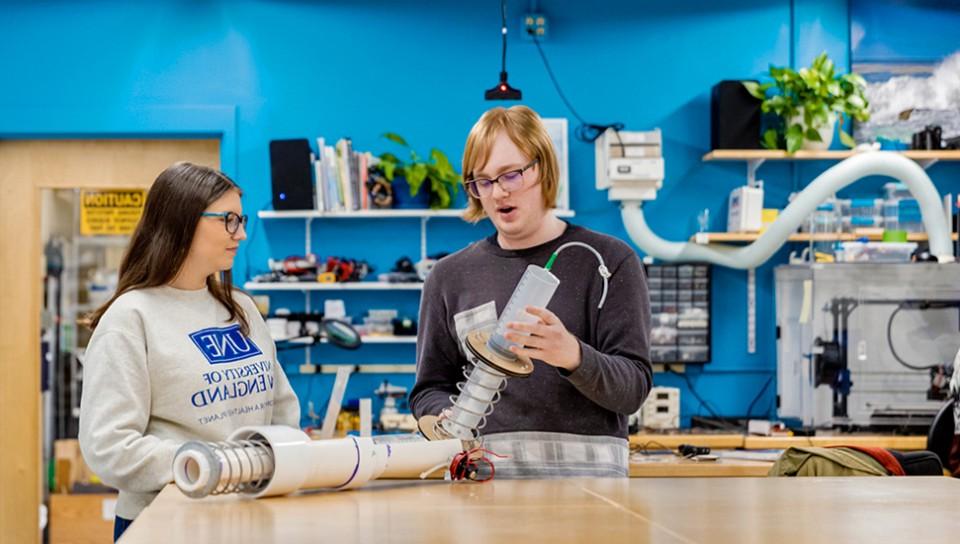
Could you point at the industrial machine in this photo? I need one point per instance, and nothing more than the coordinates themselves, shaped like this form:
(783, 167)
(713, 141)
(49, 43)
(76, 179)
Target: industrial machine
(866, 345)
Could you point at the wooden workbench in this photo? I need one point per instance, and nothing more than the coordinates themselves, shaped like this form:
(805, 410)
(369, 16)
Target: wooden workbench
(690, 510)
(672, 466)
(733, 441)
(655, 441)
(902, 443)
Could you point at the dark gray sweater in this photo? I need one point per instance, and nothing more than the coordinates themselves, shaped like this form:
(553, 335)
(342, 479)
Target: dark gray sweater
(614, 376)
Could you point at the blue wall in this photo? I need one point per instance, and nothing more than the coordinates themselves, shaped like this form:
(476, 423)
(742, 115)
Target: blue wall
(358, 69)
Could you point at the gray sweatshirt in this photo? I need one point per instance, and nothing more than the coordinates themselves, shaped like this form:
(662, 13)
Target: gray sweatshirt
(614, 376)
(163, 367)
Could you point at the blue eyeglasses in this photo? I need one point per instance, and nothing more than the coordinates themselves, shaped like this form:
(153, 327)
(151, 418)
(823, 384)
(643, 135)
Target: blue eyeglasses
(231, 221)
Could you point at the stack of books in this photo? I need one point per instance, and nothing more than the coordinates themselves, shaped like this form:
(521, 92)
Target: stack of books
(629, 164)
(340, 177)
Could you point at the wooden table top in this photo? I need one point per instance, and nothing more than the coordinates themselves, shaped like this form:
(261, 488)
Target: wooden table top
(666, 465)
(686, 510)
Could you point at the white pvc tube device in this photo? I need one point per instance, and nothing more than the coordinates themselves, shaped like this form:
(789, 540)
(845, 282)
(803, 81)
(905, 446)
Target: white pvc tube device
(535, 288)
(873, 163)
(491, 358)
(275, 460)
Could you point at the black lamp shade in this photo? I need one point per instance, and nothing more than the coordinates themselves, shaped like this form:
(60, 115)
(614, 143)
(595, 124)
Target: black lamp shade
(503, 90)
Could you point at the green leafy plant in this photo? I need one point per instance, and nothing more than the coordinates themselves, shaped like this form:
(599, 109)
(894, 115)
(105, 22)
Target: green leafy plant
(443, 180)
(805, 100)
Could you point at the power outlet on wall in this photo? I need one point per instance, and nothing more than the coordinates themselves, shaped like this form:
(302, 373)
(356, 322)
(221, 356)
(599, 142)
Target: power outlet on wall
(534, 23)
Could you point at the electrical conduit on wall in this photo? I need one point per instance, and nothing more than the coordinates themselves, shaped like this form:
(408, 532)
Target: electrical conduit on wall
(875, 163)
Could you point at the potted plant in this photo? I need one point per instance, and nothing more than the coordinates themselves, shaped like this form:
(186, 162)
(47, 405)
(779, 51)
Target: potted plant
(441, 179)
(807, 103)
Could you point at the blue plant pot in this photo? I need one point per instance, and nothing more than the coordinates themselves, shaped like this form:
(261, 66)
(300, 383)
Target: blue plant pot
(402, 198)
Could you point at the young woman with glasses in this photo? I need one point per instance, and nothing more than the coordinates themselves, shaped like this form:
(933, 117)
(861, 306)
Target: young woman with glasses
(591, 365)
(178, 353)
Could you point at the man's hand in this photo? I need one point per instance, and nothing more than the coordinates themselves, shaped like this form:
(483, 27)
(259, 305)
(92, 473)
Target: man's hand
(547, 340)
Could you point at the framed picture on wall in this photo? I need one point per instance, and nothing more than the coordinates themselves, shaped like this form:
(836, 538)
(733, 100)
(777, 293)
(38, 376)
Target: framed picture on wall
(557, 128)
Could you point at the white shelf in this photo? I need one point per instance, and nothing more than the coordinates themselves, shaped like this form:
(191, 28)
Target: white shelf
(803, 155)
(344, 286)
(366, 339)
(374, 339)
(373, 214)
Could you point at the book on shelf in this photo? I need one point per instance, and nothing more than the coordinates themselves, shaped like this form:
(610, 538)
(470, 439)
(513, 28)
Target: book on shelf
(322, 171)
(343, 168)
(340, 177)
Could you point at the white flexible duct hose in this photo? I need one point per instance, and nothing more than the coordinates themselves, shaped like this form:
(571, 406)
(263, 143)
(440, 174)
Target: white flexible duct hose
(876, 163)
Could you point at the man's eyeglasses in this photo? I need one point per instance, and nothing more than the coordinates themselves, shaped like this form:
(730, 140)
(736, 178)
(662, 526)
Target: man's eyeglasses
(510, 182)
(231, 221)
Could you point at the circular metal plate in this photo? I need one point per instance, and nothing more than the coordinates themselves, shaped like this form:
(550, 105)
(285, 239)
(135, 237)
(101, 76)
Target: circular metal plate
(427, 426)
(519, 367)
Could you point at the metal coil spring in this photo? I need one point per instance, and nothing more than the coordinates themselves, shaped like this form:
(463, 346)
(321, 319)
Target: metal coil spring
(253, 460)
(466, 388)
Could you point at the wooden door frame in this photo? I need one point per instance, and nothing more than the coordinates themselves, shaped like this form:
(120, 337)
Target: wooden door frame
(20, 434)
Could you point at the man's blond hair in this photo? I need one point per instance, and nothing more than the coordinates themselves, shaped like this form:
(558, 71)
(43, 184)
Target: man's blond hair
(527, 132)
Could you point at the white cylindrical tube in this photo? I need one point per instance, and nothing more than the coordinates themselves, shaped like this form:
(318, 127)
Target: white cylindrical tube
(276, 460)
(406, 458)
(535, 288)
(316, 464)
(291, 456)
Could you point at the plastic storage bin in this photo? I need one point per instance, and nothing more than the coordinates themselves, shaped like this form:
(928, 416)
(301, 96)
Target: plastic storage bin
(896, 189)
(821, 221)
(877, 252)
(891, 214)
(908, 215)
(850, 224)
(692, 337)
(693, 354)
(680, 308)
(664, 354)
(866, 207)
(661, 336)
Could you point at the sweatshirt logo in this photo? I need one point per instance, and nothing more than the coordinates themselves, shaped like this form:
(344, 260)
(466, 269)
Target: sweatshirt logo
(224, 345)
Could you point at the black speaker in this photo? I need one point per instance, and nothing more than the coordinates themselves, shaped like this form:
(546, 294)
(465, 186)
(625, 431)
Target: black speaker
(734, 117)
(291, 174)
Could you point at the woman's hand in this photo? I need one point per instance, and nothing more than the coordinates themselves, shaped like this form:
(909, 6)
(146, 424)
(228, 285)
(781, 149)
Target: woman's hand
(547, 340)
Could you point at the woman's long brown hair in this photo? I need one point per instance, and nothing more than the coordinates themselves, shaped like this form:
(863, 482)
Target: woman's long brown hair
(162, 239)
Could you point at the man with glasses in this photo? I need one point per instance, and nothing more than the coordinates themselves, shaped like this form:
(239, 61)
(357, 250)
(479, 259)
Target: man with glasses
(592, 365)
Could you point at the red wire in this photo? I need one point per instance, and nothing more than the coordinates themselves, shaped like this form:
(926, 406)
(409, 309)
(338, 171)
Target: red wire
(462, 465)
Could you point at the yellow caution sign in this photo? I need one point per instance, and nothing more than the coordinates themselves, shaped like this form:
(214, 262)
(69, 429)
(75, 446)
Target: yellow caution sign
(110, 211)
